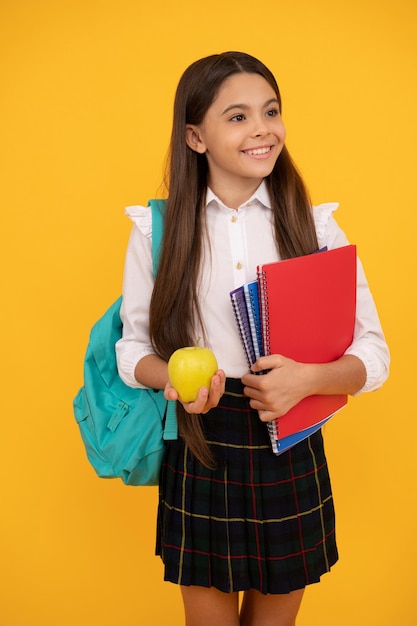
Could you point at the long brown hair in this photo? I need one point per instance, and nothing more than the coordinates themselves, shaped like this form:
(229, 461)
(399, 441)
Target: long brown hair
(174, 310)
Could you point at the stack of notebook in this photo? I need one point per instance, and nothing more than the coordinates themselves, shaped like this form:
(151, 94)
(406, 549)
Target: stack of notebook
(303, 308)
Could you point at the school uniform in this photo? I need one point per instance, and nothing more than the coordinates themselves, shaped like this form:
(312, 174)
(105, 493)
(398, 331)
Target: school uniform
(257, 520)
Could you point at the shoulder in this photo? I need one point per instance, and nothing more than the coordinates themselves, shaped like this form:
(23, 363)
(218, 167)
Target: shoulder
(141, 216)
(323, 217)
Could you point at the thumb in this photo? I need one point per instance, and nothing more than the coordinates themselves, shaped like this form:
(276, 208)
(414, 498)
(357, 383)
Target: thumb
(261, 364)
(170, 393)
(255, 367)
(266, 416)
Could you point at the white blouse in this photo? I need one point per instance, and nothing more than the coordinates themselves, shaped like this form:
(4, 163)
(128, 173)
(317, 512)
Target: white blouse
(237, 242)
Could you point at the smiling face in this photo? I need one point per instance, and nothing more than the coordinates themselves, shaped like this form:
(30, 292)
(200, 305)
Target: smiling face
(242, 135)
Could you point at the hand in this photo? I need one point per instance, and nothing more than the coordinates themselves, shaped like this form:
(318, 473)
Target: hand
(275, 393)
(205, 400)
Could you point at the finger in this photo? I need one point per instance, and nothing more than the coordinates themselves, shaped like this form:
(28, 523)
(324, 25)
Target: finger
(268, 362)
(215, 386)
(267, 416)
(199, 404)
(263, 363)
(170, 393)
(257, 404)
(251, 381)
(221, 377)
(253, 392)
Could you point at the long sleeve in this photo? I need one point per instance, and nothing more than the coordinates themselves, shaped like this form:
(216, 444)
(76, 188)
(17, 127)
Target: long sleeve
(138, 283)
(369, 343)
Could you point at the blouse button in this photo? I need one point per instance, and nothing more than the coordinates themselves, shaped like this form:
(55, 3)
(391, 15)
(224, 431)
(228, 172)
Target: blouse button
(239, 266)
(234, 218)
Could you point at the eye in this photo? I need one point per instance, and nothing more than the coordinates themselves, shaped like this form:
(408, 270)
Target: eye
(272, 112)
(239, 117)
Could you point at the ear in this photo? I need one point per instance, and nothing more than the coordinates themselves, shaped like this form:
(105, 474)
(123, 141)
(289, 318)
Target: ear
(194, 139)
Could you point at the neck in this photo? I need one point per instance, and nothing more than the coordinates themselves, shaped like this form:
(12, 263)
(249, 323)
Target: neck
(234, 197)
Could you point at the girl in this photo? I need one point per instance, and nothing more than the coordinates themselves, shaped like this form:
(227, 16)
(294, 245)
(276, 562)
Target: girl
(232, 516)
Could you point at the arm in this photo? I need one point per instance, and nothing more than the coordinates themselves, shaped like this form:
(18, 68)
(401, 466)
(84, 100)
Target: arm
(368, 343)
(138, 284)
(152, 371)
(138, 365)
(363, 367)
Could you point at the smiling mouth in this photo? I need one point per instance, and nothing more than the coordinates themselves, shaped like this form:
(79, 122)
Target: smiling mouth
(258, 151)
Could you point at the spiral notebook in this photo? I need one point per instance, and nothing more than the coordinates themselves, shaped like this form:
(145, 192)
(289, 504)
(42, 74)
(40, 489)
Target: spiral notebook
(251, 292)
(245, 328)
(245, 301)
(308, 310)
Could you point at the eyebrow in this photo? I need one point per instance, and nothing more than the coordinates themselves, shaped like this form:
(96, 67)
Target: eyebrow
(245, 107)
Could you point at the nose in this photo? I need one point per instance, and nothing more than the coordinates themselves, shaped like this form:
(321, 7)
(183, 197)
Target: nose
(259, 127)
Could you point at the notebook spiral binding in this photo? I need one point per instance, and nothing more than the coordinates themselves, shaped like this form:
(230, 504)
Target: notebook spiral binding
(242, 320)
(263, 295)
(251, 292)
(272, 426)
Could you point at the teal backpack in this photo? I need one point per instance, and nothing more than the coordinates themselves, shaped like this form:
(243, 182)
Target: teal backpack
(123, 429)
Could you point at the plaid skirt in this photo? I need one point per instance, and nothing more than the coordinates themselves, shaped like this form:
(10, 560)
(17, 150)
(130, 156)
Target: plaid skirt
(257, 521)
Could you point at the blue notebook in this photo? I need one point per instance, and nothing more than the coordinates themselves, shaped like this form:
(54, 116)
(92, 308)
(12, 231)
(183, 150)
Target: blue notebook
(251, 292)
(240, 310)
(280, 445)
(245, 302)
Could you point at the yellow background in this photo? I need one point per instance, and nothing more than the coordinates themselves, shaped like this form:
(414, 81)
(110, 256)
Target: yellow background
(85, 114)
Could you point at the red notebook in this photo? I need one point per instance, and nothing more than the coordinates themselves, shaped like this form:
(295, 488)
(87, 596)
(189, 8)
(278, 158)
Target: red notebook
(308, 310)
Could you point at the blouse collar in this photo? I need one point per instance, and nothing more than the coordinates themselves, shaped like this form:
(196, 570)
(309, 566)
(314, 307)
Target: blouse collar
(261, 196)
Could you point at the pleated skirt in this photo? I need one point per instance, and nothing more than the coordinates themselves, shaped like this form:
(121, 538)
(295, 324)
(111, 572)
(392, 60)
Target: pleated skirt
(257, 521)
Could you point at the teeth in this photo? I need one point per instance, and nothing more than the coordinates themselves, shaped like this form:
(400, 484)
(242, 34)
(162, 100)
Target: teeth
(258, 151)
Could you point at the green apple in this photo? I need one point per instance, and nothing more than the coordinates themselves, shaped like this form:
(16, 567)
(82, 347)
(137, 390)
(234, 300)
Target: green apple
(189, 369)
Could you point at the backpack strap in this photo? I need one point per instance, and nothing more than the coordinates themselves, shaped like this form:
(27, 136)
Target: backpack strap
(171, 425)
(158, 214)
